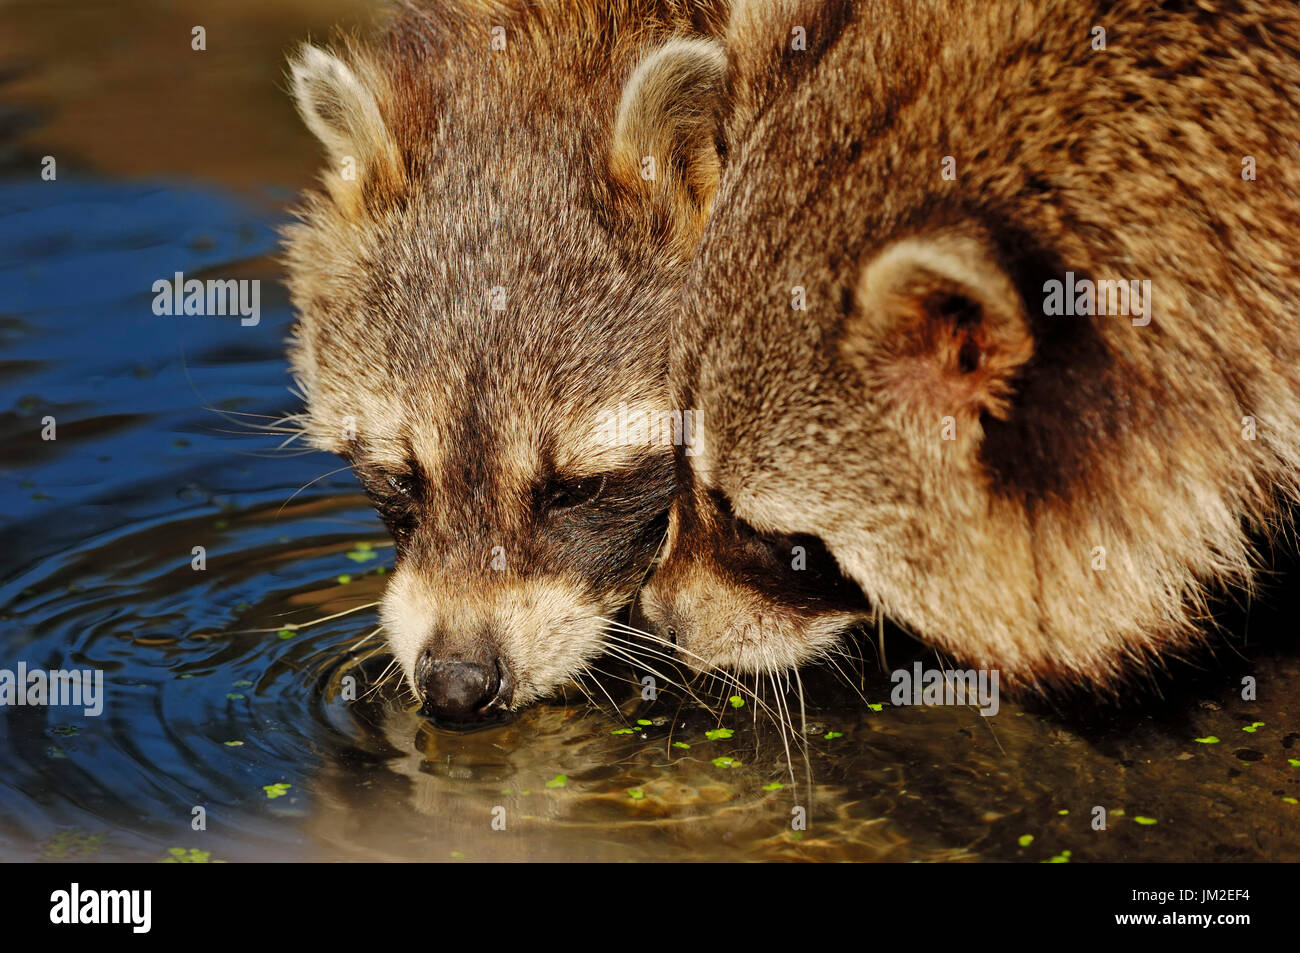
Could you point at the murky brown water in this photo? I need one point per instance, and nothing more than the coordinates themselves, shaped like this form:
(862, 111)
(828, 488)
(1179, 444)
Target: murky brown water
(174, 160)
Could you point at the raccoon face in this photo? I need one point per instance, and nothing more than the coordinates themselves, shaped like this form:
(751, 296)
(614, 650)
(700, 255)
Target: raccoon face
(853, 447)
(477, 302)
(509, 563)
(729, 596)
(520, 527)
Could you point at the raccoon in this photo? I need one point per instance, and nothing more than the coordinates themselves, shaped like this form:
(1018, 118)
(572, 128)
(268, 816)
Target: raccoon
(998, 302)
(511, 196)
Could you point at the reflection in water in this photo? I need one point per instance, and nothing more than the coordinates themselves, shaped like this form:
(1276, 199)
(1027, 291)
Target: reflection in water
(220, 697)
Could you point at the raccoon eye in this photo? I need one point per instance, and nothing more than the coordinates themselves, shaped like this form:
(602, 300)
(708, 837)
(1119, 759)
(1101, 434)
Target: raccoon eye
(565, 494)
(402, 484)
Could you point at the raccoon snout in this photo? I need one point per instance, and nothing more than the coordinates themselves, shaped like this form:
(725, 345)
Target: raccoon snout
(462, 692)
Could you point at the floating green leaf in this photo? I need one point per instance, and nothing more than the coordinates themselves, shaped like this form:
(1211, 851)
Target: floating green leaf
(286, 633)
(1290, 800)
(559, 781)
(832, 735)
(718, 734)
(736, 701)
(876, 706)
(644, 722)
(276, 790)
(635, 794)
(622, 731)
(344, 579)
(681, 744)
(1062, 858)
(70, 843)
(725, 762)
(1026, 840)
(1207, 740)
(1146, 821)
(457, 855)
(232, 744)
(1252, 728)
(773, 786)
(179, 855)
(234, 696)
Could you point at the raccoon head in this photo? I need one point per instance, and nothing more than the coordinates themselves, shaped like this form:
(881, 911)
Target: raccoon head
(484, 284)
(870, 441)
(870, 348)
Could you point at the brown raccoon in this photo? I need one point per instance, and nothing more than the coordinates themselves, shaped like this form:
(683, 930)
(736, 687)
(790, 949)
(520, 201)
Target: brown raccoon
(1047, 493)
(490, 266)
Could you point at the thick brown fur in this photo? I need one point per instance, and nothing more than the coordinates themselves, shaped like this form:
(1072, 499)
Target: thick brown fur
(1097, 480)
(477, 282)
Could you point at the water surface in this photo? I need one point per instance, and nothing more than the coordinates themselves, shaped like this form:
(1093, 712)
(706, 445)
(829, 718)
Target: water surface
(225, 692)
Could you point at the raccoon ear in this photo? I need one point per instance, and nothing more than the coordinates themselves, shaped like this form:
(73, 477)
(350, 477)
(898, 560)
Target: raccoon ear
(344, 115)
(665, 142)
(939, 326)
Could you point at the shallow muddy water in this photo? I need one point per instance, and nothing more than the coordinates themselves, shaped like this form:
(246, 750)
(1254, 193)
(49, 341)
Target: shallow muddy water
(220, 695)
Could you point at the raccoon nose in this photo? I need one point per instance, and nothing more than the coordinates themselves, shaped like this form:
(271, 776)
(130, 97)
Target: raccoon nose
(667, 631)
(460, 691)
